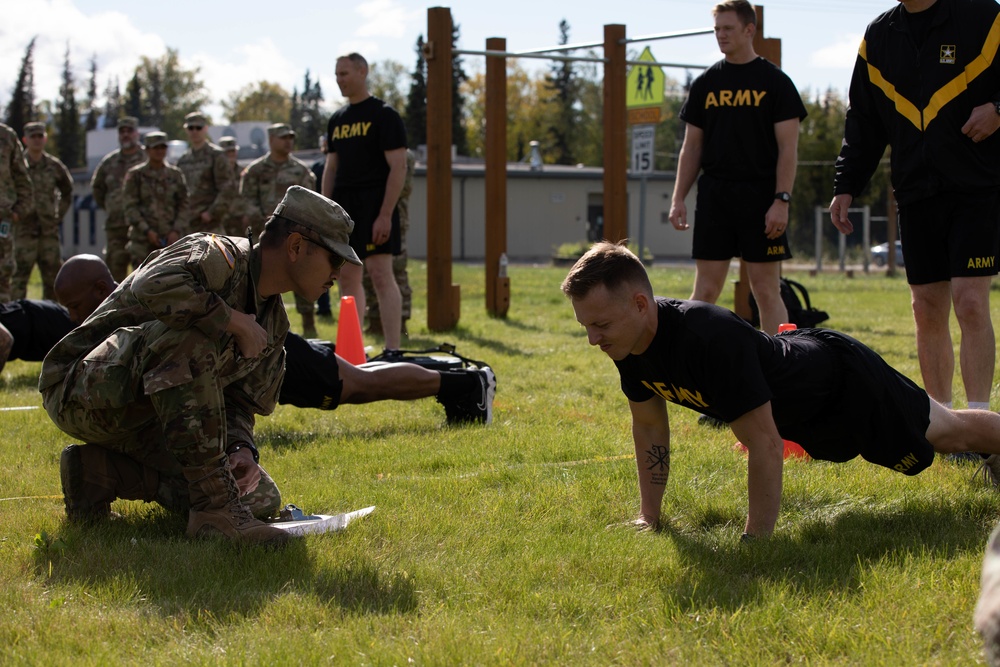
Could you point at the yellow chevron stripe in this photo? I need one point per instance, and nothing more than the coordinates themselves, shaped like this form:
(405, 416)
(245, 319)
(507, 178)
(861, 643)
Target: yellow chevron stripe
(905, 107)
(945, 93)
(956, 86)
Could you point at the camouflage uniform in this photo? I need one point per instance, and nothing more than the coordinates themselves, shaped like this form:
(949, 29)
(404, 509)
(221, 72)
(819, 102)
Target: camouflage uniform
(211, 185)
(38, 234)
(263, 184)
(153, 374)
(398, 261)
(236, 208)
(107, 187)
(153, 199)
(16, 196)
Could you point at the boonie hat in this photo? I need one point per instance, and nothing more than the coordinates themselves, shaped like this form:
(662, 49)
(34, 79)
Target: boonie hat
(325, 217)
(280, 130)
(34, 128)
(228, 144)
(128, 121)
(195, 118)
(153, 139)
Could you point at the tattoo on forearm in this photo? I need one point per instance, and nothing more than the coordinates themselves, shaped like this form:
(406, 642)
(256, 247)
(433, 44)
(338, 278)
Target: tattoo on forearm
(658, 461)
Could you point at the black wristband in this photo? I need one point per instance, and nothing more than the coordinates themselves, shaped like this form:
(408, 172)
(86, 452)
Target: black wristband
(232, 449)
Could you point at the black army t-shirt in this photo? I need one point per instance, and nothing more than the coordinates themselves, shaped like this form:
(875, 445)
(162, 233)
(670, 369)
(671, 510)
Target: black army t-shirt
(708, 359)
(737, 106)
(360, 134)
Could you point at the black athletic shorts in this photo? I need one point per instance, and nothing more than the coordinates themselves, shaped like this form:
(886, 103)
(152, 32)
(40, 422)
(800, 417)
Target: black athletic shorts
(881, 414)
(363, 205)
(950, 236)
(729, 222)
(312, 377)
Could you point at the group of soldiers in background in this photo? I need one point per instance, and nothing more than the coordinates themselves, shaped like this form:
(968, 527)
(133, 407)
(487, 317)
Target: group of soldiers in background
(36, 190)
(150, 203)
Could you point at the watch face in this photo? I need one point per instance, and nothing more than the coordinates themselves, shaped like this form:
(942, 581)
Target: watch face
(783, 196)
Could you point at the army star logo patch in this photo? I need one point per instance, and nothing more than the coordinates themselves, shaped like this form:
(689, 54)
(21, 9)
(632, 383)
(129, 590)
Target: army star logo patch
(947, 54)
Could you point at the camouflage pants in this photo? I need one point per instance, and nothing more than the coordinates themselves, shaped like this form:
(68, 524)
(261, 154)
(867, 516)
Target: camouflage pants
(162, 397)
(115, 253)
(6, 259)
(39, 246)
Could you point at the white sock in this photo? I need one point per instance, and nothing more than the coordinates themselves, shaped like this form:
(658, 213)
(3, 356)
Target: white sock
(979, 405)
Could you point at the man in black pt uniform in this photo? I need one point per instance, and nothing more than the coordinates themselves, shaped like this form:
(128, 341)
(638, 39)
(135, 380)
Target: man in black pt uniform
(797, 385)
(29, 329)
(365, 171)
(742, 130)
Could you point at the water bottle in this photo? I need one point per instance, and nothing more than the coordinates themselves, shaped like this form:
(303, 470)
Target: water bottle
(503, 265)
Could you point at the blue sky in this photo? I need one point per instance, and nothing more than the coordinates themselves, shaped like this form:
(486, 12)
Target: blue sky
(236, 43)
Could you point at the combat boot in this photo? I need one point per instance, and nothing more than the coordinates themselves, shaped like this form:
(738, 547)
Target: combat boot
(92, 477)
(216, 508)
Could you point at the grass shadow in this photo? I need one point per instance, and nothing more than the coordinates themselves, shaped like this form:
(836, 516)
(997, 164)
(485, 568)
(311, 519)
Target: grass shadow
(148, 560)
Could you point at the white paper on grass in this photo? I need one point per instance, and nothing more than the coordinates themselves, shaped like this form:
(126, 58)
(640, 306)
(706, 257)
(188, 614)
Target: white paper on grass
(322, 523)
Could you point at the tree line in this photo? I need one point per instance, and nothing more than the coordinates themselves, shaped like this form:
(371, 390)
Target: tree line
(559, 106)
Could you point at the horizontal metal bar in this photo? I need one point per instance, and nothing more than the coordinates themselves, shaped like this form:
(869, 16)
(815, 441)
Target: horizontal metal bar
(669, 35)
(659, 64)
(511, 54)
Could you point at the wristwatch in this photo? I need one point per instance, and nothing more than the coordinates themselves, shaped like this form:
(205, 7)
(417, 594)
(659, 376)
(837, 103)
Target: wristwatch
(783, 196)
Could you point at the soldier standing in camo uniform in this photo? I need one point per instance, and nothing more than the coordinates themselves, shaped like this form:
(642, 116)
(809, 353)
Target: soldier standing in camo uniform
(107, 188)
(209, 177)
(398, 261)
(263, 184)
(169, 372)
(237, 220)
(155, 201)
(38, 234)
(16, 202)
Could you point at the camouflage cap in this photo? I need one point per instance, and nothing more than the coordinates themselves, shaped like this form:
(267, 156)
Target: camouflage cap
(323, 216)
(34, 128)
(228, 144)
(153, 139)
(280, 130)
(128, 121)
(195, 118)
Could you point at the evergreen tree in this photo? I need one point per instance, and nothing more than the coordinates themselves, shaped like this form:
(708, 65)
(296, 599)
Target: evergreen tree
(112, 104)
(21, 109)
(458, 77)
(91, 103)
(133, 98)
(68, 137)
(154, 98)
(306, 117)
(415, 114)
(561, 84)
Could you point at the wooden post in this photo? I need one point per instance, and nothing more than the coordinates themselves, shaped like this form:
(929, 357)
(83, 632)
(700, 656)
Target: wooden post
(615, 140)
(497, 286)
(443, 298)
(770, 49)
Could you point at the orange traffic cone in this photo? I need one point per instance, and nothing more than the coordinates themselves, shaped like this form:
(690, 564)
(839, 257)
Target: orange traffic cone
(350, 345)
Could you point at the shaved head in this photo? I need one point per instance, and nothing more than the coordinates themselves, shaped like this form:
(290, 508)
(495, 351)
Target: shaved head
(83, 282)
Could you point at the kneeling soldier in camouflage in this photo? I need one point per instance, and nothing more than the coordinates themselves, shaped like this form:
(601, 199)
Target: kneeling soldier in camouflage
(165, 377)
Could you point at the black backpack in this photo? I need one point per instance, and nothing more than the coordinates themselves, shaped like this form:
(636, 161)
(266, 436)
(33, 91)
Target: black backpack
(799, 315)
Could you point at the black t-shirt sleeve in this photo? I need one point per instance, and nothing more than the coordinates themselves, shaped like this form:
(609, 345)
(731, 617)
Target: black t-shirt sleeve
(36, 327)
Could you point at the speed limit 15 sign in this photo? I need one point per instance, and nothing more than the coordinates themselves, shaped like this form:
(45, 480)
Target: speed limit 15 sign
(642, 148)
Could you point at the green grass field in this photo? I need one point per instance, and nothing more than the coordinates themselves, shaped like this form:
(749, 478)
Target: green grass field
(492, 545)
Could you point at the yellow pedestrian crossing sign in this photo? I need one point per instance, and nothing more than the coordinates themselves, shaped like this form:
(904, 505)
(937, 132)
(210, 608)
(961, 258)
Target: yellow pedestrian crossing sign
(645, 83)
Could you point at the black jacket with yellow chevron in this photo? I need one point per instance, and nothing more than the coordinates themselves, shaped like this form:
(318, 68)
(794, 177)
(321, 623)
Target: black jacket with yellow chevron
(916, 100)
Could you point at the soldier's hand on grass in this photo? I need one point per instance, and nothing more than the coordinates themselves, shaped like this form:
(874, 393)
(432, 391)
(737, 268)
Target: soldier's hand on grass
(245, 470)
(250, 336)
